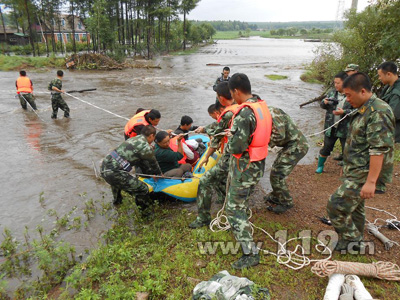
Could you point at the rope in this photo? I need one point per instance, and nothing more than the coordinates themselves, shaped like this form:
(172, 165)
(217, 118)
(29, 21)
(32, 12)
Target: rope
(294, 260)
(315, 134)
(34, 111)
(380, 269)
(97, 107)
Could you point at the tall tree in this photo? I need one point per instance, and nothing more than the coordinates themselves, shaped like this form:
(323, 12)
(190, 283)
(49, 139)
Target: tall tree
(27, 8)
(186, 7)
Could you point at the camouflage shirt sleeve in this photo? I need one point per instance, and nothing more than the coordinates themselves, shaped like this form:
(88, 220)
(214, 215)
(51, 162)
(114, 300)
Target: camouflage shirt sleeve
(220, 128)
(278, 134)
(243, 127)
(379, 133)
(210, 128)
(149, 162)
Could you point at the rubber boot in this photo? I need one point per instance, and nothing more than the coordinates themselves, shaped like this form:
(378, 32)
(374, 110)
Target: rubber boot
(321, 162)
(198, 223)
(246, 261)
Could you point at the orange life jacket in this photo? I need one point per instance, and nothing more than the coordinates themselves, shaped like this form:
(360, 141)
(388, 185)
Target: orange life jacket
(231, 108)
(136, 120)
(173, 144)
(258, 148)
(24, 85)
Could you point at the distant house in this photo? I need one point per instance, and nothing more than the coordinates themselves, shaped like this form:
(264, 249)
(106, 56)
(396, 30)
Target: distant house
(13, 36)
(63, 30)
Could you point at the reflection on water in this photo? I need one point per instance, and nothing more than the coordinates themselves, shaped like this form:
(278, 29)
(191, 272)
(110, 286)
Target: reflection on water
(56, 156)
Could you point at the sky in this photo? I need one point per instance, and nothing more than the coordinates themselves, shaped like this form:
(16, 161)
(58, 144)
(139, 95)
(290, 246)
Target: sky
(270, 10)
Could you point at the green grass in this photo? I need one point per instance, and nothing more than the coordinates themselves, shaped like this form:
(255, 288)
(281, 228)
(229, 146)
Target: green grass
(397, 152)
(276, 76)
(309, 77)
(321, 36)
(231, 35)
(8, 63)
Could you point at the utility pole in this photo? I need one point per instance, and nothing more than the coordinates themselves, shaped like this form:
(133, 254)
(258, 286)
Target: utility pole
(354, 4)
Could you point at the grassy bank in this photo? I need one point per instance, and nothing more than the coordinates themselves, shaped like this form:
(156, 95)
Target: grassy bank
(8, 63)
(231, 35)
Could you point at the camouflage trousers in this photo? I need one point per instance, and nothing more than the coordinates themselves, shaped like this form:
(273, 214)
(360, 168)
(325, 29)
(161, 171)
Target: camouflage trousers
(243, 177)
(213, 180)
(122, 180)
(57, 102)
(346, 211)
(23, 98)
(283, 165)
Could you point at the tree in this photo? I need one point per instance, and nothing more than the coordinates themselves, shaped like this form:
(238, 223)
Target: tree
(187, 6)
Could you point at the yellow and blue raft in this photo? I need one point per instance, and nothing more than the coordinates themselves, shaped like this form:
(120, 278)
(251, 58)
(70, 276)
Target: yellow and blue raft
(185, 189)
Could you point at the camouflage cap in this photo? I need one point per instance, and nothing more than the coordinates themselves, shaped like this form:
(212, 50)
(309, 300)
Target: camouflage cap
(352, 67)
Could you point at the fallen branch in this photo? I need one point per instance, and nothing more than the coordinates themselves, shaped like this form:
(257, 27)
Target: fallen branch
(80, 91)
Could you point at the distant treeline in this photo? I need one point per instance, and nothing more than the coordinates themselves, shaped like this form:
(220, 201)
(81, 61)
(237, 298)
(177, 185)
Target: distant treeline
(229, 25)
(305, 25)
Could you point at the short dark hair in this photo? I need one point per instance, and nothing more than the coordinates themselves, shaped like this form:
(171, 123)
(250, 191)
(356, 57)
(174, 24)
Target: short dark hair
(153, 114)
(186, 120)
(218, 106)
(139, 110)
(22, 73)
(342, 75)
(222, 89)
(226, 69)
(388, 67)
(241, 82)
(148, 130)
(212, 108)
(60, 73)
(160, 136)
(358, 81)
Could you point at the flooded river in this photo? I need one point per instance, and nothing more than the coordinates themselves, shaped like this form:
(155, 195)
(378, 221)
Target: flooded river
(56, 157)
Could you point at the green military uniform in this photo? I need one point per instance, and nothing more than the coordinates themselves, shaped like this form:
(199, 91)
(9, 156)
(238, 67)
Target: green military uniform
(371, 133)
(137, 152)
(294, 145)
(56, 99)
(215, 178)
(391, 95)
(243, 176)
(210, 128)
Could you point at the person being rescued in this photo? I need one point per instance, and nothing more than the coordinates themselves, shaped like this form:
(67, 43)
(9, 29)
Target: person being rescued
(142, 118)
(169, 159)
(186, 126)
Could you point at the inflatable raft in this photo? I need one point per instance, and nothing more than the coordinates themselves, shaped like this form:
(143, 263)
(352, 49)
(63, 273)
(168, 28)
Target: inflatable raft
(186, 189)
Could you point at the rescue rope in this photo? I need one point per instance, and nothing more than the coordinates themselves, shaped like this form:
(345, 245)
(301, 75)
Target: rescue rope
(294, 260)
(97, 107)
(34, 111)
(381, 269)
(315, 134)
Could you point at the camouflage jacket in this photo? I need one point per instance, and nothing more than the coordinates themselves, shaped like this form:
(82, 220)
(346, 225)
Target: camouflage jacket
(343, 126)
(138, 152)
(210, 128)
(55, 83)
(243, 126)
(285, 132)
(220, 128)
(220, 80)
(391, 95)
(371, 133)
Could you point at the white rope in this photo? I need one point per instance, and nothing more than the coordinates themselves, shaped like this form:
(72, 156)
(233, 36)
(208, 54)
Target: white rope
(315, 134)
(294, 260)
(34, 111)
(97, 107)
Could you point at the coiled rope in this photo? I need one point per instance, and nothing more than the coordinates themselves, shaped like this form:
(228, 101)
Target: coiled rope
(295, 259)
(381, 269)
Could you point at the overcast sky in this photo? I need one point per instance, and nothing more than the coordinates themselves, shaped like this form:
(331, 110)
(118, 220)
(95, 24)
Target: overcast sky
(270, 10)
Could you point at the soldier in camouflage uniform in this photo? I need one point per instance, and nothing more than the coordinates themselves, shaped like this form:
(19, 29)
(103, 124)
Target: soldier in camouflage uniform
(134, 152)
(294, 145)
(368, 161)
(387, 73)
(336, 108)
(244, 172)
(57, 101)
(215, 178)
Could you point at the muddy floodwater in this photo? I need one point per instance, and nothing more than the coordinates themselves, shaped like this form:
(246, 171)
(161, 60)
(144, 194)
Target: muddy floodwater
(56, 157)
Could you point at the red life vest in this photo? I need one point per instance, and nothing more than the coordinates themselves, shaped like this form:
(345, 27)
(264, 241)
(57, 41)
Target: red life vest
(258, 148)
(138, 119)
(231, 108)
(173, 144)
(24, 85)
